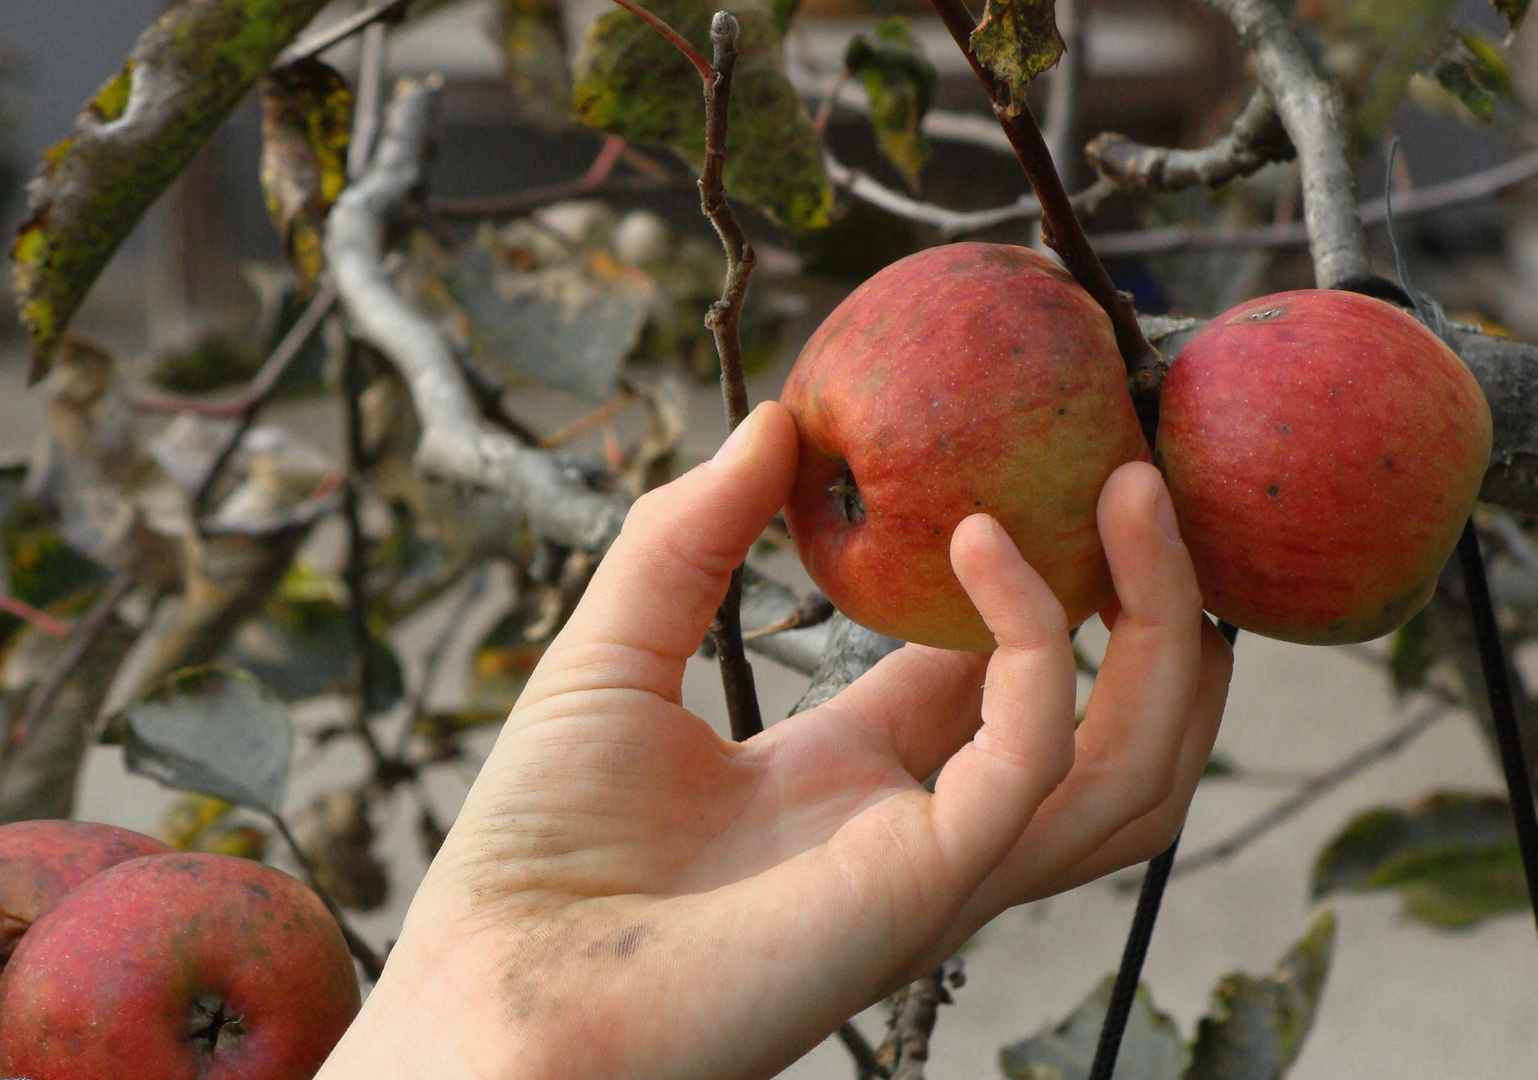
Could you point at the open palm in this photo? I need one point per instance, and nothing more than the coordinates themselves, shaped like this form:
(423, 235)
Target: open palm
(626, 894)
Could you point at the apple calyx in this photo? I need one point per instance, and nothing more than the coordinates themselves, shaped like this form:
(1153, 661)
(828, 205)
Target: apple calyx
(212, 1025)
(850, 503)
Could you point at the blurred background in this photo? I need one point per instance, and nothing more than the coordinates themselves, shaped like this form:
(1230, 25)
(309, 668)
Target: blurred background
(200, 279)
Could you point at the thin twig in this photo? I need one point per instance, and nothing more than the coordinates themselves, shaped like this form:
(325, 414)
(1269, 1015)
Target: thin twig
(433, 657)
(39, 618)
(81, 636)
(364, 661)
(373, 965)
(1061, 229)
(1311, 792)
(1063, 82)
(814, 610)
(949, 222)
(866, 1067)
(915, 1009)
(369, 102)
(726, 629)
(601, 415)
(266, 381)
(1465, 189)
(679, 42)
(1255, 139)
(391, 11)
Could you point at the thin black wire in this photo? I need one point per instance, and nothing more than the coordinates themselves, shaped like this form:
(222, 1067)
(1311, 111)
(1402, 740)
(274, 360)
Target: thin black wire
(1476, 587)
(1124, 990)
(1492, 659)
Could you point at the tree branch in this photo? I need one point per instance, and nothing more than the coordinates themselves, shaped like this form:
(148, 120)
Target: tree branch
(315, 44)
(851, 651)
(1255, 139)
(1312, 113)
(953, 222)
(1424, 200)
(455, 443)
(1061, 230)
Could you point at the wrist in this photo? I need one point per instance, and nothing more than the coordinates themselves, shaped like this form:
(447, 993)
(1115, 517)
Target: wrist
(396, 1037)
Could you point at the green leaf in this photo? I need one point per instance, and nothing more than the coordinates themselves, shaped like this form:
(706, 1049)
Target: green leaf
(784, 11)
(210, 730)
(534, 59)
(1256, 1026)
(306, 126)
(1513, 11)
(1016, 41)
(1452, 857)
(184, 76)
(1413, 653)
(632, 82)
(569, 325)
(301, 645)
(1372, 47)
(1151, 1049)
(900, 82)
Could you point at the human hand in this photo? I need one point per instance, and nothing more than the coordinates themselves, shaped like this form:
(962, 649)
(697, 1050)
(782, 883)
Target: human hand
(627, 894)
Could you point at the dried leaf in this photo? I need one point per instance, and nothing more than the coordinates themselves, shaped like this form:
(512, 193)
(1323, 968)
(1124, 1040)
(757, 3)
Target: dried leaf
(1256, 1026)
(204, 823)
(534, 59)
(306, 124)
(184, 76)
(632, 82)
(1513, 11)
(1453, 857)
(210, 730)
(1017, 40)
(900, 82)
(569, 325)
(1413, 653)
(337, 838)
(1151, 1049)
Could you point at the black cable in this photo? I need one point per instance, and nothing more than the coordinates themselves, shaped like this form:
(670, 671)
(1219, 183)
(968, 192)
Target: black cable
(1124, 990)
(1492, 659)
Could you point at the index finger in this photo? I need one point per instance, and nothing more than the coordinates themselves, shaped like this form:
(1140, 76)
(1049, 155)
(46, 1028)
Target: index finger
(656, 591)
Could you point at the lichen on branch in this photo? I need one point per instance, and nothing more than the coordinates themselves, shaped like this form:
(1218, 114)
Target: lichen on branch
(184, 76)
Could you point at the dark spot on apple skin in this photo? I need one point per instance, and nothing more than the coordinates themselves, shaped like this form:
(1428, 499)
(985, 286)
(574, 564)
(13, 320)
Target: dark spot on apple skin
(1286, 430)
(1062, 412)
(942, 445)
(1388, 463)
(977, 502)
(934, 532)
(1273, 491)
(1335, 390)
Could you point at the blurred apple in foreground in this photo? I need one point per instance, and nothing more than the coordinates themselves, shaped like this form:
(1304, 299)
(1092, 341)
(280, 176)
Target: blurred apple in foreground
(966, 378)
(178, 967)
(1323, 450)
(41, 861)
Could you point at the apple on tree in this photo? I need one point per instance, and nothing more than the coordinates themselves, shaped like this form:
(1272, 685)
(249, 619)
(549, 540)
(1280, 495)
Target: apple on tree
(41, 861)
(178, 967)
(962, 379)
(1323, 450)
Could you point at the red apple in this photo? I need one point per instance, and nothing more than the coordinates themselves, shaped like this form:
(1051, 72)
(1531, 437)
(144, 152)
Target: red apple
(178, 967)
(965, 378)
(1323, 450)
(40, 861)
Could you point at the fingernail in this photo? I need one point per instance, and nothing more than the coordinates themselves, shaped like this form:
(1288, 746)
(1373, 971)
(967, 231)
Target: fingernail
(1164, 511)
(732, 448)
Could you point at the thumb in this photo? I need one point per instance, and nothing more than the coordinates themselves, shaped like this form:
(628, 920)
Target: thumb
(658, 588)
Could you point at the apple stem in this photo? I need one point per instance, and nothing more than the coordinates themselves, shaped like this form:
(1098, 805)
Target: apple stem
(1060, 226)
